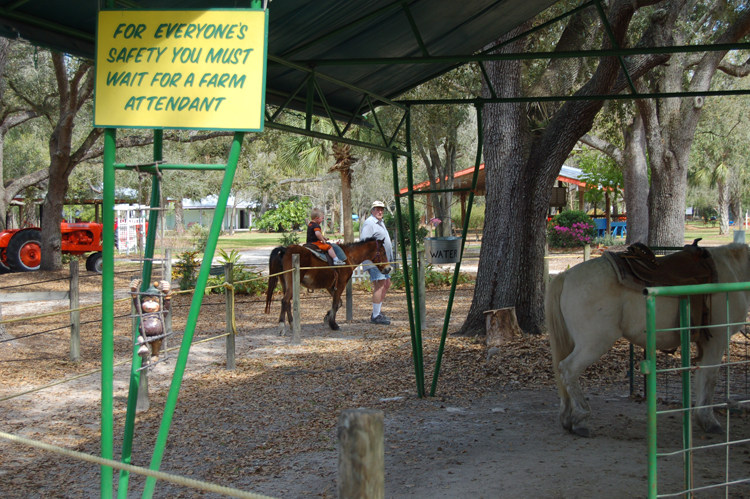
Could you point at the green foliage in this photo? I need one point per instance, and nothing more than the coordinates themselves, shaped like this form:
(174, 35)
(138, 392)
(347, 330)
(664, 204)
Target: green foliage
(570, 229)
(232, 257)
(253, 287)
(600, 172)
(390, 224)
(433, 278)
(184, 270)
(288, 216)
(610, 240)
(289, 238)
(199, 234)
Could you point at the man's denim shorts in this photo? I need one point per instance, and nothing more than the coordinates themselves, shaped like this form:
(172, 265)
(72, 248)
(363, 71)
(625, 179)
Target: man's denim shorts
(376, 275)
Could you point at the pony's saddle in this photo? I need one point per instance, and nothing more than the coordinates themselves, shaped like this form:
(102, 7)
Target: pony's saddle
(323, 255)
(638, 268)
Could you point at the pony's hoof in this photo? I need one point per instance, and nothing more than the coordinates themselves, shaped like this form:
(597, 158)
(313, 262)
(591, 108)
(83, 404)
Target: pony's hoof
(582, 431)
(715, 429)
(334, 326)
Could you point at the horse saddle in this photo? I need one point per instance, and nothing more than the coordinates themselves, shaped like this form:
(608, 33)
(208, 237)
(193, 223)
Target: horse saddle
(323, 255)
(638, 268)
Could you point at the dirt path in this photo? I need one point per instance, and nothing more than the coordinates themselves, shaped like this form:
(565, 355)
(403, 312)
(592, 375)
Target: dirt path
(270, 425)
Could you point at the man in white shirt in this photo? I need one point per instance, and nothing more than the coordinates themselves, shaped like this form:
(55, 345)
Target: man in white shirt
(374, 227)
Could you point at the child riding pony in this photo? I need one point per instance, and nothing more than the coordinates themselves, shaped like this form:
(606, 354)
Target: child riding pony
(322, 276)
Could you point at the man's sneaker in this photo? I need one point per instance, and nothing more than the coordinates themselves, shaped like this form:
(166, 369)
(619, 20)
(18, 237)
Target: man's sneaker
(380, 319)
(336, 261)
(385, 317)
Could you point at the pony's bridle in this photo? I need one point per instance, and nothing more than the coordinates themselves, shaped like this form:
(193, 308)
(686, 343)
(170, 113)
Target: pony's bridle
(377, 249)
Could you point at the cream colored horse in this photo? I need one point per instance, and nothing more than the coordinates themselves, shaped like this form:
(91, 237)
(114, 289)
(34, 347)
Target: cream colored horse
(588, 310)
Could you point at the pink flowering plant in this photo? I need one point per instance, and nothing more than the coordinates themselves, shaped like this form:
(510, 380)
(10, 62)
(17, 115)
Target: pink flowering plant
(570, 229)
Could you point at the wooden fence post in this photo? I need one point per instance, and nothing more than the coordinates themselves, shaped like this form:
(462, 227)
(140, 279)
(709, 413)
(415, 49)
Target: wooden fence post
(586, 252)
(361, 459)
(229, 279)
(168, 277)
(296, 329)
(349, 298)
(422, 300)
(142, 402)
(75, 317)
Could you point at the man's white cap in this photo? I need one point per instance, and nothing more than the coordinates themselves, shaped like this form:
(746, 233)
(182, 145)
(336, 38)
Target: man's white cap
(377, 204)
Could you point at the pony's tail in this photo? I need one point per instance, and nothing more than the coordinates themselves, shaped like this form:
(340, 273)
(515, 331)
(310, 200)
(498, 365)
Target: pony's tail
(559, 338)
(274, 267)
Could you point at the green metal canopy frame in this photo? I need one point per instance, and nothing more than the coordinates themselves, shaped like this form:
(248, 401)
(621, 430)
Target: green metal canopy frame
(313, 94)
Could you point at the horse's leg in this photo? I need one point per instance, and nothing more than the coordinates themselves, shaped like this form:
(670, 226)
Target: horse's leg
(335, 304)
(705, 383)
(574, 414)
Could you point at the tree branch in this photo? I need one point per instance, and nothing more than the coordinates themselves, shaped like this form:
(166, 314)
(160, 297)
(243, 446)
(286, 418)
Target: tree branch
(301, 180)
(604, 146)
(19, 184)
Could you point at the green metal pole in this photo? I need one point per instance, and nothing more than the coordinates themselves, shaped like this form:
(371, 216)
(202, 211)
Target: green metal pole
(108, 308)
(414, 269)
(195, 306)
(135, 375)
(407, 283)
(649, 368)
(687, 430)
(480, 140)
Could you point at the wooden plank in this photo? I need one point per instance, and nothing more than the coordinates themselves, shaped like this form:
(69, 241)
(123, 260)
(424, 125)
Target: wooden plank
(229, 273)
(75, 317)
(35, 296)
(296, 327)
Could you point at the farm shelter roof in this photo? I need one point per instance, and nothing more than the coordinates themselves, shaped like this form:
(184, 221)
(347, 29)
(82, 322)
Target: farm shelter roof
(304, 30)
(462, 179)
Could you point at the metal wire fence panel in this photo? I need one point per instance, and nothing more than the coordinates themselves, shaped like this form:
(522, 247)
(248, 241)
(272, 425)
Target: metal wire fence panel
(685, 400)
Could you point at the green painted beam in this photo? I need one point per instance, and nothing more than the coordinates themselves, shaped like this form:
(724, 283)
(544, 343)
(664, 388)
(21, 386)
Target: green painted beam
(565, 98)
(334, 138)
(169, 166)
(521, 56)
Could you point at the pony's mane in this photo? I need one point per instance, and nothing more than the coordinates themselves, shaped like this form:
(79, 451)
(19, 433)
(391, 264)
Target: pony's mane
(360, 243)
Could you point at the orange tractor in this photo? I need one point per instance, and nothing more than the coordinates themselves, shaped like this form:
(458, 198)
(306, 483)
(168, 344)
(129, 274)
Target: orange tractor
(21, 249)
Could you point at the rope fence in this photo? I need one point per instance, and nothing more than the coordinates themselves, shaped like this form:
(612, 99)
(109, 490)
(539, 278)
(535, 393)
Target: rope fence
(159, 475)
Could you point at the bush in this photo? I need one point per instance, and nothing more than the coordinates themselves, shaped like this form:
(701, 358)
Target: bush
(184, 270)
(199, 233)
(433, 278)
(390, 224)
(289, 238)
(570, 229)
(253, 287)
(289, 215)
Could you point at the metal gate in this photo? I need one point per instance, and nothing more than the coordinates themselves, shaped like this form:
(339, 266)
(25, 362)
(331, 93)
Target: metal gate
(667, 457)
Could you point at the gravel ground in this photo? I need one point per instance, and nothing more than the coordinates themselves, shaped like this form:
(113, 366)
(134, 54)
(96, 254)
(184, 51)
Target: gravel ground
(269, 426)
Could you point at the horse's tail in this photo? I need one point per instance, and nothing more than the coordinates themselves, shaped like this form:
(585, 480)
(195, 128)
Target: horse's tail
(559, 337)
(274, 267)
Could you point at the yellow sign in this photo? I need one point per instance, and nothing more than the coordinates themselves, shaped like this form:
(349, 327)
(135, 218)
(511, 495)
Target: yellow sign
(181, 69)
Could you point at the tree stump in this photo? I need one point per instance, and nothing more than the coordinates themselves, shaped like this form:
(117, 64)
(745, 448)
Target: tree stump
(501, 326)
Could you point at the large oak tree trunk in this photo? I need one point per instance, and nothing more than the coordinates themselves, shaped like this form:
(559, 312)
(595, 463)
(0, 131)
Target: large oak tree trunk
(635, 181)
(521, 168)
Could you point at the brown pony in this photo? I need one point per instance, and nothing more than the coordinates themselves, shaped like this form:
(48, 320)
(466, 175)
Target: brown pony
(332, 278)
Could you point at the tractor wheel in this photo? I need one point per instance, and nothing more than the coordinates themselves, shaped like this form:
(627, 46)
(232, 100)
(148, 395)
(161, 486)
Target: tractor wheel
(94, 262)
(4, 269)
(24, 250)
